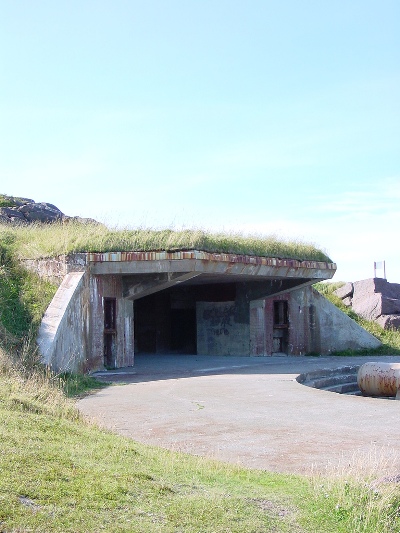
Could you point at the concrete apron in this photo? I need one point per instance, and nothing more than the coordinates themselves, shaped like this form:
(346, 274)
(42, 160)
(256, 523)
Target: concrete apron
(248, 411)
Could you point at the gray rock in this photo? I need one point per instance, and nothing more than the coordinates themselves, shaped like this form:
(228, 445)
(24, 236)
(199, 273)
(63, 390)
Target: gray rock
(345, 291)
(4, 219)
(347, 301)
(368, 305)
(389, 321)
(11, 212)
(376, 299)
(41, 212)
(27, 211)
(81, 220)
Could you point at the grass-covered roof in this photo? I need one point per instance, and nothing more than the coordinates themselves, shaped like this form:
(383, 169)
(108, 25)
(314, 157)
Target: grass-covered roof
(50, 240)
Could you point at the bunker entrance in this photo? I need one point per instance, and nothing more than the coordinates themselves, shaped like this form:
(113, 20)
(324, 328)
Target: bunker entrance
(165, 324)
(167, 321)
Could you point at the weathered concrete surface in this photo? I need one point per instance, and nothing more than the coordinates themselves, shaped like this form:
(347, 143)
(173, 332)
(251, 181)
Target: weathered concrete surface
(338, 332)
(219, 331)
(211, 264)
(250, 412)
(63, 338)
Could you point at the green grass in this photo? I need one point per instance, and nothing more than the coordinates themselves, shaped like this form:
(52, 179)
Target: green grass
(390, 338)
(60, 473)
(8, 201)
(51, 240)
(23, 296)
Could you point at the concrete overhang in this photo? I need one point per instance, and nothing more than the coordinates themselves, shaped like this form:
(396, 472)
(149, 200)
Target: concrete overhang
(151, 272)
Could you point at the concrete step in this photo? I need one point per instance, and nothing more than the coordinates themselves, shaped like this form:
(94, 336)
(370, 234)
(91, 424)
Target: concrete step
(343, 388)
(342, 380)
(331, 381)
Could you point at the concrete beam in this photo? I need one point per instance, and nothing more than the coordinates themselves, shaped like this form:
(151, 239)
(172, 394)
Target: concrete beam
(158, 283)
(257, 291)
(205, 263)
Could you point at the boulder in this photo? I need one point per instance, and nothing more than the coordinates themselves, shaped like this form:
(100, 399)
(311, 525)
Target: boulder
(375, 305)
(389, 321)
(41, 212)
(27, 211)
(4, 219)
(11, 212)
(345, 291)
(373, 299)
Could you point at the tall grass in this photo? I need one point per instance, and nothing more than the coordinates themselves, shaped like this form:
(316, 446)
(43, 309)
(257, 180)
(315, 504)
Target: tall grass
(26, 386)
(23, 295)
(35, 241)
(362, 495)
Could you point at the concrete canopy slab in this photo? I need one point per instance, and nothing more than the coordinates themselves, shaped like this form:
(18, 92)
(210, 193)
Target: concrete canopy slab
(217, 265)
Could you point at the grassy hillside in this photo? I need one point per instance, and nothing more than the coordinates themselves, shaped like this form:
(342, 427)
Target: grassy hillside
(390, 339)
(34, 241)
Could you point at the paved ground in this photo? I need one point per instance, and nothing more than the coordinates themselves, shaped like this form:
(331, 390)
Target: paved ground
(248, 411)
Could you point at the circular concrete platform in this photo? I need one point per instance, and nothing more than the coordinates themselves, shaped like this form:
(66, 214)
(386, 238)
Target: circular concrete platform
(247, 411)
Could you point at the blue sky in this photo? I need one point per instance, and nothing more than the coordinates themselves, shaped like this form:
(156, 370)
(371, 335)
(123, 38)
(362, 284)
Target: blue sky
(258, 117)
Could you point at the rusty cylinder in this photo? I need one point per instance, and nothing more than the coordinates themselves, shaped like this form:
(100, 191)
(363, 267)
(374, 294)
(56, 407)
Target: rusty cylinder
(379, 379)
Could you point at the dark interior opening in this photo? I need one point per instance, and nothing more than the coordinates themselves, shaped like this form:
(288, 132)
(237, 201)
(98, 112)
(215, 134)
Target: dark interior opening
(110, 331)
(165, 321)
(183, 330)
(281, 313)
(281, 327)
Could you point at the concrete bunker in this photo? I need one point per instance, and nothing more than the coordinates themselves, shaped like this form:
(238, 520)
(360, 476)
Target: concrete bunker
(112, 305)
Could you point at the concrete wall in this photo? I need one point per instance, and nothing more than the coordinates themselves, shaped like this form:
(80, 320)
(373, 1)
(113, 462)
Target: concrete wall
(315, 326)
(111, 287)
(55, 269)
(219, 332)
(71, 335)
(337, 331)
(64, 333)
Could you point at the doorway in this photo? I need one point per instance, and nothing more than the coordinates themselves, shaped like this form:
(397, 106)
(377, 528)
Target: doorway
(110, 332)
(281, 327)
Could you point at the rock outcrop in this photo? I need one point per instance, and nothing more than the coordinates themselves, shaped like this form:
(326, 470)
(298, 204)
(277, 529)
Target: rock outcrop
(373, 299)
(25, 211)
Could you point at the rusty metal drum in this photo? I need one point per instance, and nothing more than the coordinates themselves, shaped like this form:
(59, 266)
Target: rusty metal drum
(379, 379)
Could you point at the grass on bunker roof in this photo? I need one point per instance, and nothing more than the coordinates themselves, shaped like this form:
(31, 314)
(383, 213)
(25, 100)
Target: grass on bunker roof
(51, 240)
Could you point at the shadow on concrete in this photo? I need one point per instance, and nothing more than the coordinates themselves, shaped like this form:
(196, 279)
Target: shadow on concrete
(156, 367)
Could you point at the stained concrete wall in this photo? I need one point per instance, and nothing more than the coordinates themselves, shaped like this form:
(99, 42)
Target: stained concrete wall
(337, 331)
(111, 287)
(218, 330)
(64, 333)
(315, 326)
(71, 335)
(55, 269)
